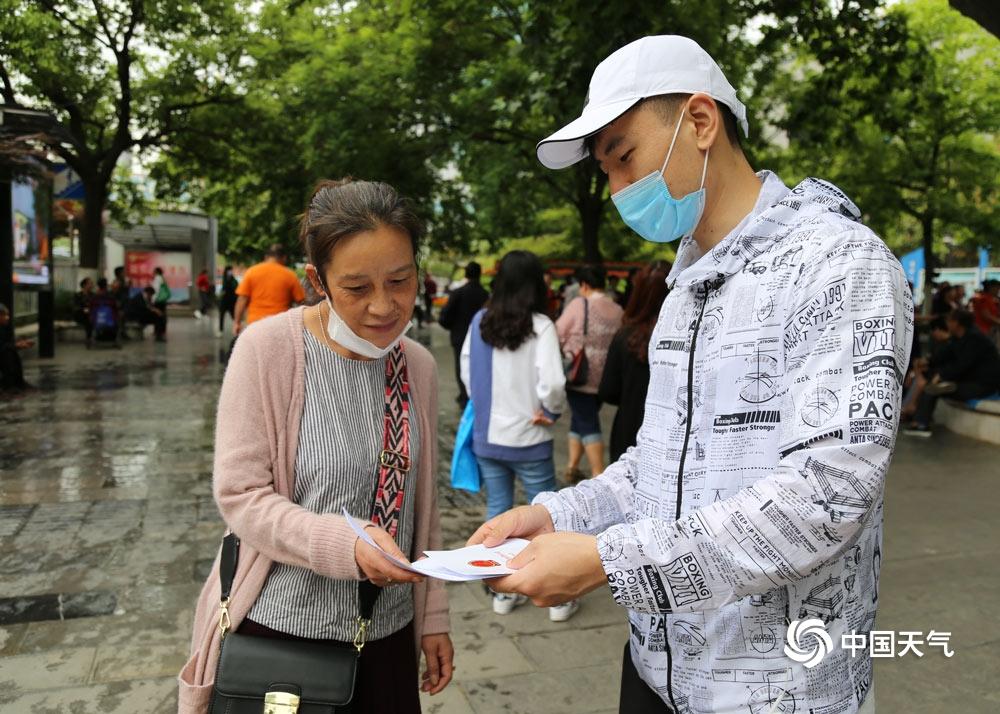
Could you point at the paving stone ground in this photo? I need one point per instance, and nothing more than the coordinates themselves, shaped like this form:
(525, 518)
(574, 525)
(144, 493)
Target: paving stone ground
(107, 528)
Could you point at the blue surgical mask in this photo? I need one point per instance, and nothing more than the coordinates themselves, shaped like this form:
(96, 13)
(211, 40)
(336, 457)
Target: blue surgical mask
(647, 207)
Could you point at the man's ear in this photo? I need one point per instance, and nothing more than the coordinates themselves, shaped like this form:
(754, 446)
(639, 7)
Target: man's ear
(707, 119)
(314, 280)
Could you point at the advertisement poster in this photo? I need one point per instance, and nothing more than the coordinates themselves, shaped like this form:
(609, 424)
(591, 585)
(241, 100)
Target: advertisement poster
(29, 204)
(139, 266)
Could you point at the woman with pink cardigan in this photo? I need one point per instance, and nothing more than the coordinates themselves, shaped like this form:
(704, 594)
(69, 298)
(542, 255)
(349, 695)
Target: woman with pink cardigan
(303, 433)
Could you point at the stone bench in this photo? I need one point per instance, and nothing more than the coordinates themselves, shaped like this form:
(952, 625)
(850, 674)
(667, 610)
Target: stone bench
(976, 418)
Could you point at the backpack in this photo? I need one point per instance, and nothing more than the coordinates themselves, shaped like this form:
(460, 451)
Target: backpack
(163, 294)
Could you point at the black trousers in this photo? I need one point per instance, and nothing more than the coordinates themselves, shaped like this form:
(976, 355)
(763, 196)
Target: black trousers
(387, 679)
(636, 697)
(11, 370)
(463, 396)
(964, 392)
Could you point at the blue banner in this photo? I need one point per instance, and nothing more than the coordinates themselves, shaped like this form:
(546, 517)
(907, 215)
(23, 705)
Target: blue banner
(913, 263)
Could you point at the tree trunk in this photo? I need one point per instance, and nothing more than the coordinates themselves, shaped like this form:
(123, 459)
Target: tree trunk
(930, 262)
(92, 226)
(590, 183)
(590, 220)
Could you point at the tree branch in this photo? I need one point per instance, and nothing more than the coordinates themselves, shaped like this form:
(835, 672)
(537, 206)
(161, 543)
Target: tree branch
(75, 25)
(102, 21)
(8, 88)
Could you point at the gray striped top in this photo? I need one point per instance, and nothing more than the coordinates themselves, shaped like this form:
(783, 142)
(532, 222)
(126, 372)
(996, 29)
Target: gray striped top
(336, 466)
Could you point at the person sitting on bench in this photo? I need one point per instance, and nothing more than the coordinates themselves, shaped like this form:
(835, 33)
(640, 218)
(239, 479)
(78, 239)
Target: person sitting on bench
(140, 309)
(81, 307)
(970, 370)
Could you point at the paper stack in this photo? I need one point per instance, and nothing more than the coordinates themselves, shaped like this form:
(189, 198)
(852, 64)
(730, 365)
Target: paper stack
(475, 562)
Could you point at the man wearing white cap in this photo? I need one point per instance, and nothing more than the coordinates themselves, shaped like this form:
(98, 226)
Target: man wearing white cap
(742, 533)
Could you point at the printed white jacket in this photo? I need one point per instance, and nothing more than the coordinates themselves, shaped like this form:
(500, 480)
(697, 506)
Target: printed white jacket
(754, 494)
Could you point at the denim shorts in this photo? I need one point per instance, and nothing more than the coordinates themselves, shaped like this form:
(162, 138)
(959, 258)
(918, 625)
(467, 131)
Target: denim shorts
(584, 423)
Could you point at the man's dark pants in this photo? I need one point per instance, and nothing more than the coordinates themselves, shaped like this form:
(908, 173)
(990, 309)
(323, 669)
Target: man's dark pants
(11, 370)
(636, 696)
(964, 392)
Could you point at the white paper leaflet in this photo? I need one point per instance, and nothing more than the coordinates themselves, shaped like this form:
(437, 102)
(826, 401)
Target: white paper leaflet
(475, 562)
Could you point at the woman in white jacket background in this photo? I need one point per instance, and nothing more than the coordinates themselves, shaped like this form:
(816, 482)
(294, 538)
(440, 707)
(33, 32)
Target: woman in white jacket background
(512, 369)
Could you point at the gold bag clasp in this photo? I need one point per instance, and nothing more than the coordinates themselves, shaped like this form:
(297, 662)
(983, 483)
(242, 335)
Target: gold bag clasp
(281, 703)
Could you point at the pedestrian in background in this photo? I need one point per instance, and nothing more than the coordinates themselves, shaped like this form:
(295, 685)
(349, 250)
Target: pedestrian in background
(81, 308)
(11, 369)
(227, 300)
(626, 373)
(456, 316)
(206, 292)
(588, 323)
(430, 291)
(161, 296)
(986, 308)
(268, 288)
(512, 367)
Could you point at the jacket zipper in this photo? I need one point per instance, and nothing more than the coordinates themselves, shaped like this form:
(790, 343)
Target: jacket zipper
(680, 473)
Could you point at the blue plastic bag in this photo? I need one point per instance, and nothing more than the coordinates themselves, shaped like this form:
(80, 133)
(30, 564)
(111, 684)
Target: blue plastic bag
(464, 467)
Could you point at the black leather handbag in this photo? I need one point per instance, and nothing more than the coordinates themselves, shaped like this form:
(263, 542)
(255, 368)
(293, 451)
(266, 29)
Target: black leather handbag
(260, 674)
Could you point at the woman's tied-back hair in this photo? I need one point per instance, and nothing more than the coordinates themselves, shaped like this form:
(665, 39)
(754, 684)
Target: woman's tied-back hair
(649, 288)
(518, 292)
(340, 209)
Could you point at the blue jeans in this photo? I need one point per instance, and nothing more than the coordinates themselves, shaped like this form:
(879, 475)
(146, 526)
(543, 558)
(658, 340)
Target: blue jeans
(536, 476)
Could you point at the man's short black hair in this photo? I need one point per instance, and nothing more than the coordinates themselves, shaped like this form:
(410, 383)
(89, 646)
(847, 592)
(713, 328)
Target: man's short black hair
(149, 290)
(102, 283)
(276, 251)
(473, 270)
(83, 283)
(667, 106)
(962, 317)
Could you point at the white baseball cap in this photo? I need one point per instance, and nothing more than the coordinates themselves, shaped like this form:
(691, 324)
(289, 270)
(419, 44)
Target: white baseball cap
(661, 64)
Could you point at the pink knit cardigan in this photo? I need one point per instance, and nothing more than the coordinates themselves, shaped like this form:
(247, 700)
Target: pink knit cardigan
(257, 434)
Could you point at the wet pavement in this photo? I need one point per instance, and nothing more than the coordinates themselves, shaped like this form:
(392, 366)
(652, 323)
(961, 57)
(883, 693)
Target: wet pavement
(107, 528)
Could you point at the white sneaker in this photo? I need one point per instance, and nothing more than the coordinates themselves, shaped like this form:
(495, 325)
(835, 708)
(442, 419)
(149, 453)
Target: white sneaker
(504, 603)
(198, 314)
(561, 613)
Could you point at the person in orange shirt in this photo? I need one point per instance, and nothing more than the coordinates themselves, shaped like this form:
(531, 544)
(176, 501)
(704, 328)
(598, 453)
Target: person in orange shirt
(267, 289)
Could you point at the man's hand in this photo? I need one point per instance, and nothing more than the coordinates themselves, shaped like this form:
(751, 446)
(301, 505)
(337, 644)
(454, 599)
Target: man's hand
(440, 656)
(522, 522)
(237, 328)
(554, 569)
(376, 568)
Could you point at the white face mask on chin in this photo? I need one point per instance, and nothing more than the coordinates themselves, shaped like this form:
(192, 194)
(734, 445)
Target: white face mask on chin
(344, 336)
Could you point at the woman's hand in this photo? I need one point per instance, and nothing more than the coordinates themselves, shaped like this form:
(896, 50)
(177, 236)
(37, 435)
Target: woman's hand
(540, 419)
(374, 565)
(440, 656)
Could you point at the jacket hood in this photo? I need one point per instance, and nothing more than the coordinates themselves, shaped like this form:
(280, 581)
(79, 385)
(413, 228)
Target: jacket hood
(777, 213)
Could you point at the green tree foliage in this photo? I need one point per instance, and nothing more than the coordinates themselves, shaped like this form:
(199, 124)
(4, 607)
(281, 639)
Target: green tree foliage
(447, 98)
(911, 136)
(118, 76)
